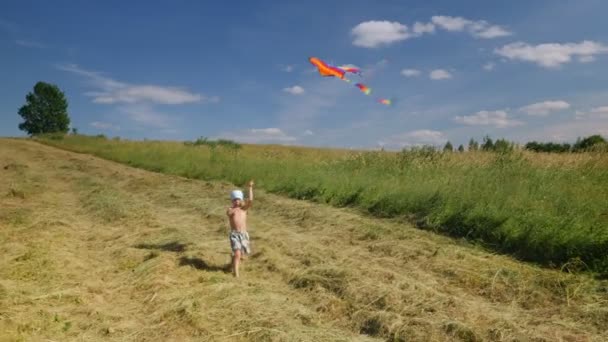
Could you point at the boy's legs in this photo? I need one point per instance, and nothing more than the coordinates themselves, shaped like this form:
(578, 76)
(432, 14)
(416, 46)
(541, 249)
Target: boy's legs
(236, 259)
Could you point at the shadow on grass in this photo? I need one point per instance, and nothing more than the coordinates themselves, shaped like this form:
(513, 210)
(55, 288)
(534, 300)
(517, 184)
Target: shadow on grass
(169, 246)
(201, 264)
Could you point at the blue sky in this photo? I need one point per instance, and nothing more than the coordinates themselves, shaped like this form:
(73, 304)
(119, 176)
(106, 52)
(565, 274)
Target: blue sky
(520, 70)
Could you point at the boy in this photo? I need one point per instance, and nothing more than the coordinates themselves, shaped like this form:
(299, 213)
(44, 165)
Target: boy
(237, 215)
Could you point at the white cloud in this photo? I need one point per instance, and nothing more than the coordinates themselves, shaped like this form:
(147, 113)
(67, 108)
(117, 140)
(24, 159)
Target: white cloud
(489, 66)
(478, 29)
(440, 74)
(498, 118)
(552, 55)
(372, 34)
(544, 108)
(288, 68)
(376, 33)
(410, 72)
(295, 90)
(450, 23)
(308, 132)
(147, 93)
(421, 28)
(259, 135)
(104, 125)
(414, 138)
(111, 91)
(600, 110)
(489, 32)
(594, 113)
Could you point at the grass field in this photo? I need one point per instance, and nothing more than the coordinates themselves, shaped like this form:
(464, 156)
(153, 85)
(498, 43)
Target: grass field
(547, 208)
(94, 250)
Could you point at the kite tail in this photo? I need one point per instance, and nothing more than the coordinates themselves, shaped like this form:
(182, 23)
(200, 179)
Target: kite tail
(387, 102)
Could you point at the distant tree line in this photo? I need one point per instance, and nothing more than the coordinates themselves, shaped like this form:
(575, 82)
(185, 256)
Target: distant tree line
(593, 142)
(590, 143)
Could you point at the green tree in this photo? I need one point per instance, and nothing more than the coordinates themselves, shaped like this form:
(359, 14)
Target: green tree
(473, 145)
(502, 145)
(588, 142)
(45, 110)
(448, 147)
(488, 144)
(460, 148)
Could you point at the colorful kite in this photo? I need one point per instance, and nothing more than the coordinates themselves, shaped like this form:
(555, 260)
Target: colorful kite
(365, 89)
(350, 68)
(327, 70)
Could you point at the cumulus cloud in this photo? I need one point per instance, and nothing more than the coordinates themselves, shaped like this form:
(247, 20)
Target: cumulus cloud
(422, 28)
(544, 108)
(377, 33)
(478, 29)
(498, 118)
(372, 34)
(489, 32)
(414, 138)
(295, 90)
(110, 91)
(439, 74)
(410, 72)
(450, 23)
(552, 55)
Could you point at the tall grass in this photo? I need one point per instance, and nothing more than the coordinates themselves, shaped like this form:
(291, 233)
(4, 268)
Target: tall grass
(549, 209)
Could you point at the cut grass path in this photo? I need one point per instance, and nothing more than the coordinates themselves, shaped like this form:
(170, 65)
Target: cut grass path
(94, 250)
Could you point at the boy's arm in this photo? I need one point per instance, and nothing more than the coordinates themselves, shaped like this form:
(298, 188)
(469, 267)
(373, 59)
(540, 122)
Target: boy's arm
(249, 201)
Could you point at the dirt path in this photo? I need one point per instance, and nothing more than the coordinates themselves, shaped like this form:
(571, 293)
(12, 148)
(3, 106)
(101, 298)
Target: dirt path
(94, 250)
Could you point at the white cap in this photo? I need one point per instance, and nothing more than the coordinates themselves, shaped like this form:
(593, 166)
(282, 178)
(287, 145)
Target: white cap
(236, 194)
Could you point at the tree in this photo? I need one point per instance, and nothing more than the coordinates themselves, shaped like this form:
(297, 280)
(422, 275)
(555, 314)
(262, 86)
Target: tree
(460, 148)
(548, 147)
(502, 145)
(45, 110)
(448, 147)
(488, 144)
(473, 145)
(588, 142)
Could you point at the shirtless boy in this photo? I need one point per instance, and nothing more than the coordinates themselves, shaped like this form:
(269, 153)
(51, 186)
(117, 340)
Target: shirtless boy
(237, 215)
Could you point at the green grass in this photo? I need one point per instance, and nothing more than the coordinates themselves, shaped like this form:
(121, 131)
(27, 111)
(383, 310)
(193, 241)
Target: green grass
(549, 209)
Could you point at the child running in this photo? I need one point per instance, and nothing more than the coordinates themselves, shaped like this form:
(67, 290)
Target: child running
(237, 215)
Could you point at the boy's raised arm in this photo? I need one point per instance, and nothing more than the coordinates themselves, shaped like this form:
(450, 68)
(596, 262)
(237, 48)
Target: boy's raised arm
(249, 202)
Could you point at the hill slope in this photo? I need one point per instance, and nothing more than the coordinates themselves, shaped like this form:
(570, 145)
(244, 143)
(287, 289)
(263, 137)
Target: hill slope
(94, 250)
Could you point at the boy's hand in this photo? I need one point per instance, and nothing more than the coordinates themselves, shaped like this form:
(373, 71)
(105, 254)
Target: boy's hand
(251, 183)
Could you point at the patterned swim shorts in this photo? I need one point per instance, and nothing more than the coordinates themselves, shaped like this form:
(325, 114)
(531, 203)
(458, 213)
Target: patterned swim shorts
(240, 241)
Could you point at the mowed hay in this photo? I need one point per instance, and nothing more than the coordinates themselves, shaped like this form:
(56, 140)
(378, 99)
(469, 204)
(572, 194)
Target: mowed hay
(105, 252)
